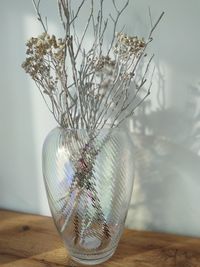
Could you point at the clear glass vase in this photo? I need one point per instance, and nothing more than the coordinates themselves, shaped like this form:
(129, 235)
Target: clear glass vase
(89, 178)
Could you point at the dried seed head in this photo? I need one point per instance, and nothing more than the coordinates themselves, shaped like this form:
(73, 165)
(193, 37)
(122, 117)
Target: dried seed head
(104, 65)
(128, 46)
(40, 52)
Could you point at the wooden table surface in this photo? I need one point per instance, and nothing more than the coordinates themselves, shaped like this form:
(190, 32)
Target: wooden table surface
(32, 241)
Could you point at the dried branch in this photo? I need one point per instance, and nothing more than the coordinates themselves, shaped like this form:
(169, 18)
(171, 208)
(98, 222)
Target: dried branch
(39, 17)
(155, 25)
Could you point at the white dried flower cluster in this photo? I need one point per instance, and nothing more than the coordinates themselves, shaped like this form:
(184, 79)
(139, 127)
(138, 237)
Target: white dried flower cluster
(104, 64)
(41, 50)
(128, 46)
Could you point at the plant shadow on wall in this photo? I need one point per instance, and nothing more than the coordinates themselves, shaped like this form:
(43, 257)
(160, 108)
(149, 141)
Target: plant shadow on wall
(167, 143)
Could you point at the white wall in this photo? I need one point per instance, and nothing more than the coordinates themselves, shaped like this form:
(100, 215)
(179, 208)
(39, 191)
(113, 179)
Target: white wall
(167, 132)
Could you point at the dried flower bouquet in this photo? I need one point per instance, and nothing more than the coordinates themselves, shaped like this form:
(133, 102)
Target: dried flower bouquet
(88, 87)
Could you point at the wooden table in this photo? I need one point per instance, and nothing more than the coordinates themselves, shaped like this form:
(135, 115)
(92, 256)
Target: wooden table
(32, 241)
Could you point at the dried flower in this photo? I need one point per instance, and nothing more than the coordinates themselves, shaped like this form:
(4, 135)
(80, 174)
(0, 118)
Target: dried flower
(41, 51)
(104, 64)
(98, 90)
(128, 46)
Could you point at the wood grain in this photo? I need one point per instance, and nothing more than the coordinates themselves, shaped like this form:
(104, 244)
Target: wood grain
(32, 241)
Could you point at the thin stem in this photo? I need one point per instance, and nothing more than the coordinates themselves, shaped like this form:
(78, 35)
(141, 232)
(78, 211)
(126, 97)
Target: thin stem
(37, 9)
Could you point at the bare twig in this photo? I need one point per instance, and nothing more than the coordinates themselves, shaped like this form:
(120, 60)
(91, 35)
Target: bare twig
(37, 9)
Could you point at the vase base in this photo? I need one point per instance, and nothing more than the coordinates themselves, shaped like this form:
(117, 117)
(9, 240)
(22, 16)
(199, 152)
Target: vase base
(93, 259)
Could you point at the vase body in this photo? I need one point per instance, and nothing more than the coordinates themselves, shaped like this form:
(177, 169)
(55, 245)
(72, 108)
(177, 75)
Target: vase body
(88, 177)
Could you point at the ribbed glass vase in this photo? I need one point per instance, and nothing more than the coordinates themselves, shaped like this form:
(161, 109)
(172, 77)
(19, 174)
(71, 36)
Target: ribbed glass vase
(88, 177)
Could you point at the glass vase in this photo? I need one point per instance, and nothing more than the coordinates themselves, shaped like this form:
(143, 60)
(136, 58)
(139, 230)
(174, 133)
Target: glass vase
(89, 178)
